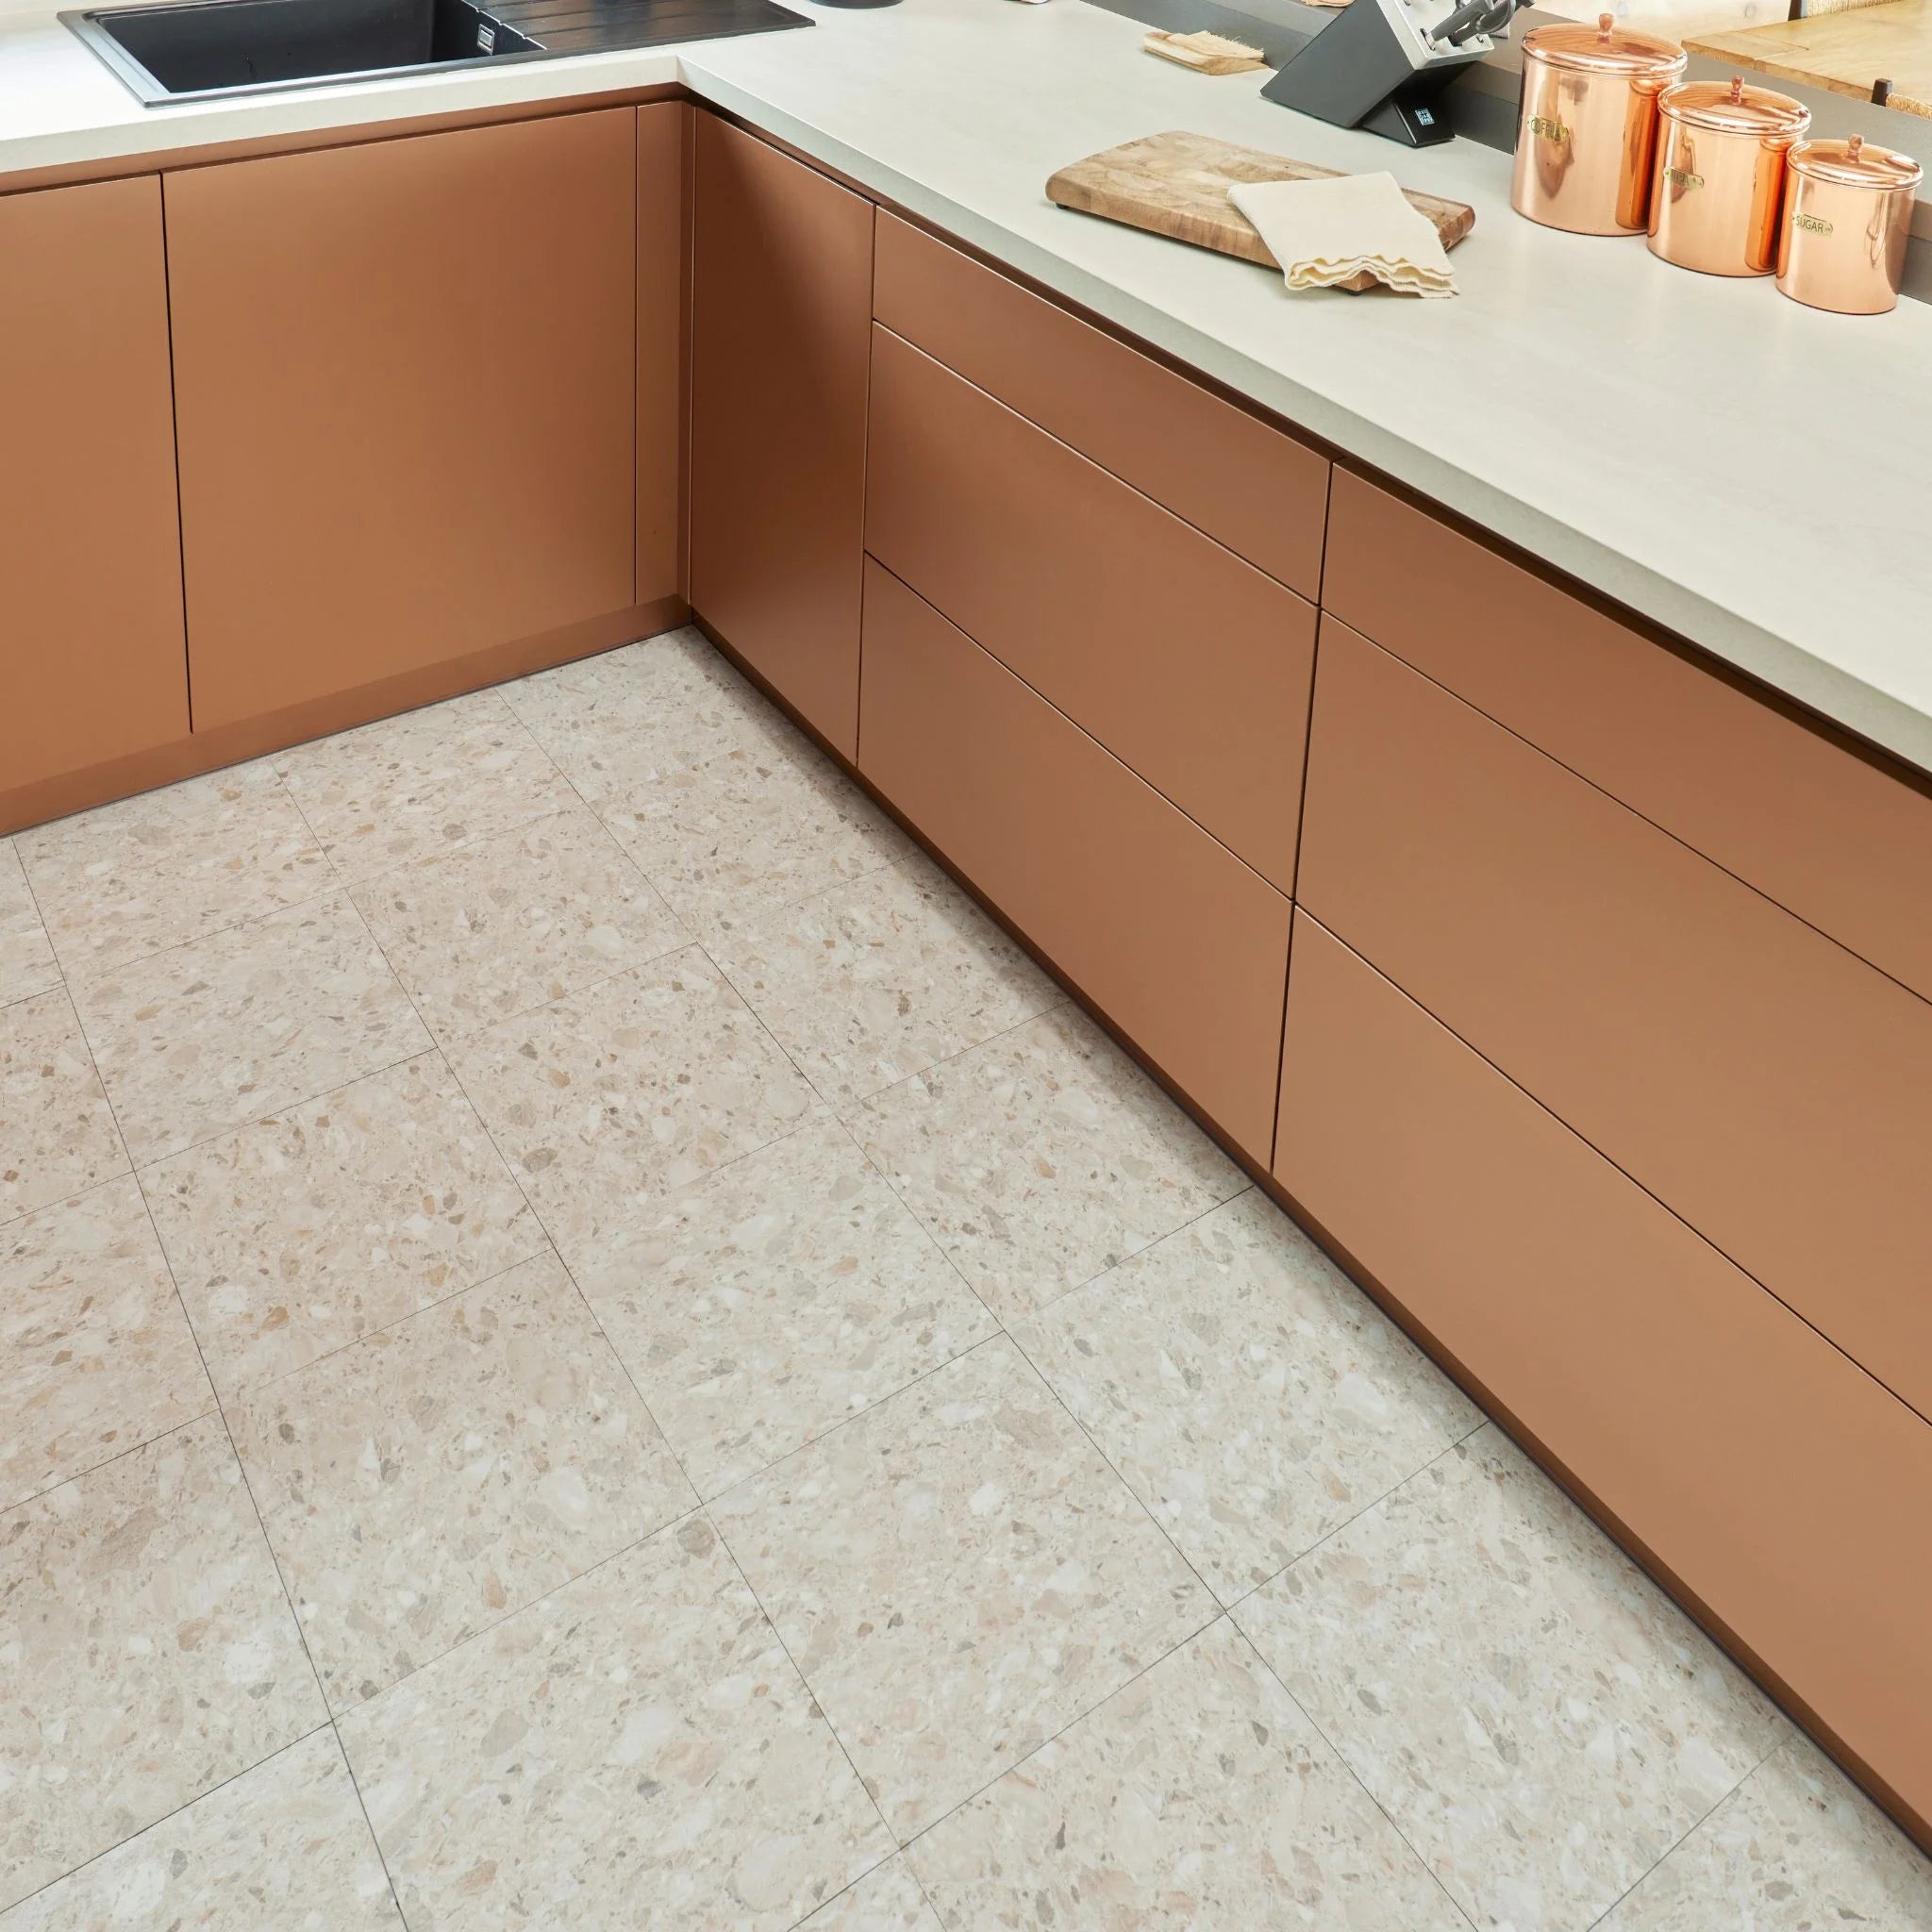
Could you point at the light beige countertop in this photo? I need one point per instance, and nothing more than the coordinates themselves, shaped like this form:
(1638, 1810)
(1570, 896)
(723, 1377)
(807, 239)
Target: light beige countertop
(1752, 474)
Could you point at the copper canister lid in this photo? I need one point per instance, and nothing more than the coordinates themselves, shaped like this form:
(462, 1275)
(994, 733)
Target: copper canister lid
(1853, 164)
(1729, 106)
(1605, 48)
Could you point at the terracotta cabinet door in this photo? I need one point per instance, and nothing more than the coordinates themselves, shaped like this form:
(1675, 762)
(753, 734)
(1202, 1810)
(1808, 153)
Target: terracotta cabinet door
(1780, 1486)
(91, 656)
(406, 379)
(781, 333)
(664, 135)
(1179, 943)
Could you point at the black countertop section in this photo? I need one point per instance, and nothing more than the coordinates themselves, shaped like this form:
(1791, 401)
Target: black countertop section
(594, 26)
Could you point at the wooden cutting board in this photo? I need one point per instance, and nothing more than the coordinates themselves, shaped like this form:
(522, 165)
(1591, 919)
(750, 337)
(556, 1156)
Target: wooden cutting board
(1845, 52)
(1176, 184)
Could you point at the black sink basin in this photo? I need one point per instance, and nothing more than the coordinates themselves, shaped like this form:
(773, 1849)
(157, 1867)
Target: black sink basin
(211, 49)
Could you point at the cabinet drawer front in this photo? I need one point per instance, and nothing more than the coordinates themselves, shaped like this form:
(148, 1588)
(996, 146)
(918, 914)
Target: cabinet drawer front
(1758, 1466)
(1170, 935)
(1758, 1079)
(91, 662)
(1825, 831)
(1188, 664)
(1249, 485)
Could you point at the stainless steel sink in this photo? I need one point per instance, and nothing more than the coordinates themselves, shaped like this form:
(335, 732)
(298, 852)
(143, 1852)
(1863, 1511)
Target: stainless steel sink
(207, 49)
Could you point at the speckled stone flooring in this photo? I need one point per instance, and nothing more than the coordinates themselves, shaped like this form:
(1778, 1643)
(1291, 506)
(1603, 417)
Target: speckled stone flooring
(585, 1344)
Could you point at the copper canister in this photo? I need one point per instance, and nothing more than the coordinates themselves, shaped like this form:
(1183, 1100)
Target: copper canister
(1848, 213)
(1586, 131)
(1721, 174)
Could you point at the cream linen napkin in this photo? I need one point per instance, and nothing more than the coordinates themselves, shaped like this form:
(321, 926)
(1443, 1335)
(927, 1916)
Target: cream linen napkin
(1322, 232)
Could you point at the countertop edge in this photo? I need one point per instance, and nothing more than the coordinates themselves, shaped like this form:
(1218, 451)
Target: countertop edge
(1833, 683)
(1835, 694)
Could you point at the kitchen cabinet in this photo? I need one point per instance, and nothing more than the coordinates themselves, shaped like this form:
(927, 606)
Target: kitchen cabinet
(1838, 835)
(1246, 482)
(1179, 943)
(1766, 1475)
(406, 386)
(663, 257)
(1758, 1079)
(92, 661)
(1190, 665)
(781, 329)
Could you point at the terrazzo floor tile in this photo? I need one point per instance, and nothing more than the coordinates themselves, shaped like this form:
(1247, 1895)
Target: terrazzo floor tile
(147, 1653)
(513, 922)
(282, 1848)
(27, 959)
(297, 1234)
(57, 1131)
(428, 1481)
(959, 1575)
(785, 1293)
(423, 783)
(876, 980)
(633, 1751)
(95, 1354)
(886, 1900)
(1043, 1157)
(1253, 1396)
(194, 1042)
(1538, 1719)
(1198, 1796)
(641, 1084)
(1795, 1848)
(725, 804)
(136, 878)
(630, 715)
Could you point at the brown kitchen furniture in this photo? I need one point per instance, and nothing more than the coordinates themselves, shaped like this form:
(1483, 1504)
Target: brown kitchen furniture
(1176, 941)
(403, 382)
(1227, 470)
(1766, 1477)
(665, 135)
(781, 337)
(1578, 992)
(95, 664)
(1832, 832)
(1190, 665)
(1758, 1078)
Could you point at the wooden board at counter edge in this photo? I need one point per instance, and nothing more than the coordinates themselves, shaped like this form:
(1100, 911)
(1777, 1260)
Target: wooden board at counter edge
(1176, 184)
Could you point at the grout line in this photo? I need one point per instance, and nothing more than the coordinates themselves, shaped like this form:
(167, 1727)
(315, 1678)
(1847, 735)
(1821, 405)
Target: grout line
(1119, 1261)
(1079, 1717)
(1093, 1441)
(845, 1422)
(58, 984)
(268, 1545)
(1373, 1503)
(1060, 1006)
(250, 1389)
(113, 1113)
(108, 1851)
(1422, 1862)
(668, 1527)
(818, 1706)
(85, 971)
(550, 1239)
(79, 1476)
(281, 1112)
(826, 1904)
(1690, 1831)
